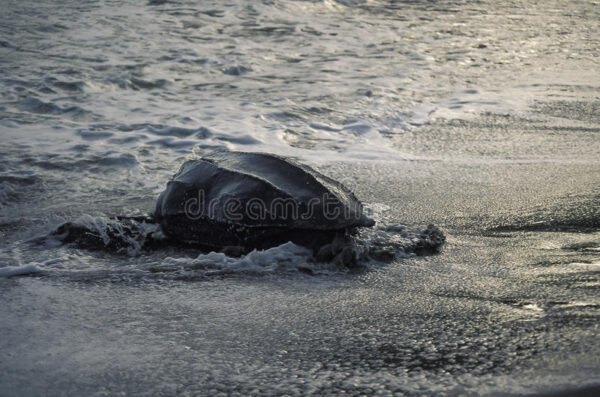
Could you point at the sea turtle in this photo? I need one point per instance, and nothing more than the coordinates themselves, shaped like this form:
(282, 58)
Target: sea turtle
(235, 202)
(255, 200)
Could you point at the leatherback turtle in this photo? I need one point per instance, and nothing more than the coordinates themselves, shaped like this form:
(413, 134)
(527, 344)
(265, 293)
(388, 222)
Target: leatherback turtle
(255, 200)
(235, 202)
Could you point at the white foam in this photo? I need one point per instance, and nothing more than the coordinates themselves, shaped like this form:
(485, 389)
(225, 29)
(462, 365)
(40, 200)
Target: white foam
(468, 103)
(104, 225)
(13, 263)
(288, 255)
(376, 210)
(10, 271)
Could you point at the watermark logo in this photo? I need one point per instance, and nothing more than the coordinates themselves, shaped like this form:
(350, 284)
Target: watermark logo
(327, 207)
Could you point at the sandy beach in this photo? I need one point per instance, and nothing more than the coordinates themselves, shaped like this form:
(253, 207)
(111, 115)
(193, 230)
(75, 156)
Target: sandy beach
(481, 119)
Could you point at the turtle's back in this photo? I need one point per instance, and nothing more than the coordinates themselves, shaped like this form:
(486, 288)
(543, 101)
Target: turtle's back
(238, 192)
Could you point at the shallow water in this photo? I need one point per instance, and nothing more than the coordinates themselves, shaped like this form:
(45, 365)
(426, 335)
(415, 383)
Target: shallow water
(480, 117)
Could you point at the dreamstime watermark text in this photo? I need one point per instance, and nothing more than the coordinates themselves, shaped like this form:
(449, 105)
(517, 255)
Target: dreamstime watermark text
(328, 206)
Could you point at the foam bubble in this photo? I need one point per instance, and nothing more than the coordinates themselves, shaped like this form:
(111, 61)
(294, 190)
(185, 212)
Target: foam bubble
(285, 256)
(10, 271)
(125, 235)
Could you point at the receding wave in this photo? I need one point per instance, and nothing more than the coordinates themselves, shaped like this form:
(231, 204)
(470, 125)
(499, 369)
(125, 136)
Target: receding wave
(139, 237)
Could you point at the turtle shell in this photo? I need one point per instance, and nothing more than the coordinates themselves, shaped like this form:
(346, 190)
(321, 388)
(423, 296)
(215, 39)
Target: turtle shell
(227, 197)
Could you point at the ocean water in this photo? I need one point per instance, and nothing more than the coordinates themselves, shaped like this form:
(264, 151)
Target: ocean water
(481, 117)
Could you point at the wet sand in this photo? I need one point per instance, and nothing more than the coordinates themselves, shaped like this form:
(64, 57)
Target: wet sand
(510, 306)
(481, 118)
